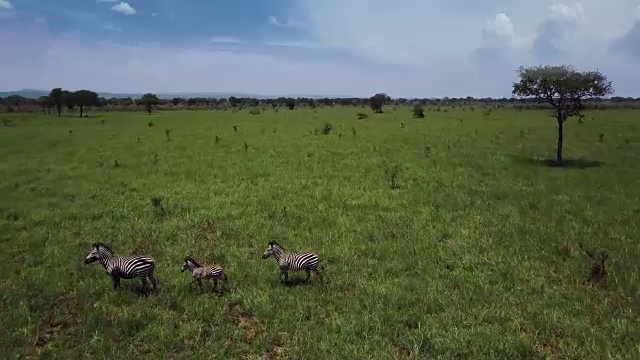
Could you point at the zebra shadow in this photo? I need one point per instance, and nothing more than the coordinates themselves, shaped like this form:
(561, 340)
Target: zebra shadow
(300, 281)
(297, 281)
(141, 291)
(208, 289)
(136, 290)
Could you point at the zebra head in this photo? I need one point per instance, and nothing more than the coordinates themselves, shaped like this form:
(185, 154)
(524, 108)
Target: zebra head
(98, 252)
(273, 249)
(189, 263)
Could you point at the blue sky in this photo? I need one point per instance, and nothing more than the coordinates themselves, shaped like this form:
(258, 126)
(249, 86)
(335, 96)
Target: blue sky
(421, 48)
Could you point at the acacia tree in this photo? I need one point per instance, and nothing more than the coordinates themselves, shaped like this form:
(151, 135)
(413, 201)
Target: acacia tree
(46, 102)
(69, 99)
(15, 101)
(418, 111)
(148, 101)
(562, 87)
(377, 101)
(57, 95)
(290, 103)
(85, 98)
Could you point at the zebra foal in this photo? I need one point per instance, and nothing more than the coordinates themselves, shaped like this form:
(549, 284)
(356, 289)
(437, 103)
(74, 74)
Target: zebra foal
(306, 261)
(199, 272)
(123, 267)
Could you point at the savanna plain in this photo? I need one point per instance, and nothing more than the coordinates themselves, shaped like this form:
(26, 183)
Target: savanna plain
(446, 237)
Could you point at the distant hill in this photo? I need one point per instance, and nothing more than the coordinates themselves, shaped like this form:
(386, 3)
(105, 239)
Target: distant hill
(28, 93)
(34, 94)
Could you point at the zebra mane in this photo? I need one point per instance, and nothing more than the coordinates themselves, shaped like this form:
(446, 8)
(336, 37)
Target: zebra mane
(192, 260)
(273, 243)
(103, 245)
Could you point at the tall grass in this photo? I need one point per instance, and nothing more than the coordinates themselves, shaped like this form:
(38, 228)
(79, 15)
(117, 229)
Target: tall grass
(471, 249)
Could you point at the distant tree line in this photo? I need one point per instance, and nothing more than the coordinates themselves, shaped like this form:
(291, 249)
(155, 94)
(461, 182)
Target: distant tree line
(81, 101)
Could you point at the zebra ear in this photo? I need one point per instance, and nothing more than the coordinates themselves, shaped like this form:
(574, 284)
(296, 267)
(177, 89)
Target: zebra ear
(272, 242)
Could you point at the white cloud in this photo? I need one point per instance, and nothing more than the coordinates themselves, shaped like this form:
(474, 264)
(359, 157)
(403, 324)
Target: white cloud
(226, 40)
(566, 13)
(294, 44)
(560, 21)
(5, 5)
(124, 8)
(500, 26)
(423, 31)
(111, 27)
(288, 23)
(628, 45)
(156, 68)
(415, 33)
(496, 51)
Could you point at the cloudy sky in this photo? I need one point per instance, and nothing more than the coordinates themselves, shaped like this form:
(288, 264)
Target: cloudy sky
(411, 48)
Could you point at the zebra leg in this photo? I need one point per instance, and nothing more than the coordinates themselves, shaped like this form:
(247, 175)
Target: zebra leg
(200, 283)
(215, 287)
(154, 281)
(225, 281)
(319, 275)
(191, 283)
(308, 275)
(116, 281)
(285, 273)
(143, 280)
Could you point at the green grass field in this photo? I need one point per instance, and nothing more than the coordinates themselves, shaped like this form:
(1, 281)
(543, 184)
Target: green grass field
(471, 252)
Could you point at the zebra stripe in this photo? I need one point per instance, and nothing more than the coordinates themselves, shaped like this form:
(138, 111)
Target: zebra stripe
(306, 261)
(123, 267)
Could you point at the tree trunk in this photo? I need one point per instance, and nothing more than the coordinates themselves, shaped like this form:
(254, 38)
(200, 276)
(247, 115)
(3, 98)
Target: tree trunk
(81, 107)
(59, 110)
(560, 139)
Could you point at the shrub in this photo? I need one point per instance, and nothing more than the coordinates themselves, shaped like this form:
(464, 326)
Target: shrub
(418, 111)
(327, 128)
(158, 208)
(393, 172)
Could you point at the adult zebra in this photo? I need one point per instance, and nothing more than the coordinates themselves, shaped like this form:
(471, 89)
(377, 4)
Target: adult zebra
(125, 267)
(306, 261)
